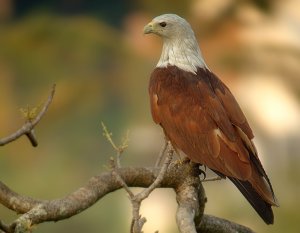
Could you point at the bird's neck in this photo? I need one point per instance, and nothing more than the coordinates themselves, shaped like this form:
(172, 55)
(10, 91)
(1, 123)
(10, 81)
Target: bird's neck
(185, 54)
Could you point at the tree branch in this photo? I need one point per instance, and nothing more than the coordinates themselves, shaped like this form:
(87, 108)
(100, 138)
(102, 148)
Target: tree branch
(212, 224)
(183, 178)
(28, 126)
(191, 200)
(162, 153)
(38, 211)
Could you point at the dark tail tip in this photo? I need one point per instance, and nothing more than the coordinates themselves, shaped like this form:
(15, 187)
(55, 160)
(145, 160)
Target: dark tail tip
(261, 207)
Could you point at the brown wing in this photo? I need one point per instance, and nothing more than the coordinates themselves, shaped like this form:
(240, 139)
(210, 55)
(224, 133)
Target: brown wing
(258, 178)
(233, 109)
(201, 118)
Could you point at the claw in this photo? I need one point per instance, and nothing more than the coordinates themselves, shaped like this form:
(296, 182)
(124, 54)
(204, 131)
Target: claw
(202, 172)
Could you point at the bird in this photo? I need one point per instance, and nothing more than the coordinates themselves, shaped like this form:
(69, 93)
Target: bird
(200, 116)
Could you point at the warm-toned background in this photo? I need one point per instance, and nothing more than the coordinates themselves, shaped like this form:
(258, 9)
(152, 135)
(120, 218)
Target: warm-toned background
(97, 55)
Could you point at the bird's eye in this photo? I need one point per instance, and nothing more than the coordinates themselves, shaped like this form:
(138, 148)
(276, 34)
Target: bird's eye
(163, 24)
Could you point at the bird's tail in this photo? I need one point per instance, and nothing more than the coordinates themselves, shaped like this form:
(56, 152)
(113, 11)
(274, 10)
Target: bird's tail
(258, 190)
(262, 207)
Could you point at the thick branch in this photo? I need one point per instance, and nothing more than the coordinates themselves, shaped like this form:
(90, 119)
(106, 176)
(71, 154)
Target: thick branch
(191, 199)
(27, 128)
(212, 224)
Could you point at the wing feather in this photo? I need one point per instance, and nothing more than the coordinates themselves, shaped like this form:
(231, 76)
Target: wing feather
(233, 110)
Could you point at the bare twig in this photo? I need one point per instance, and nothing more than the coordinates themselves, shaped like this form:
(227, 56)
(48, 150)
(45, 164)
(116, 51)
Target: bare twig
(146, 192)
(161, 153)
(116, 163)
(212, 179)
(115, 172)
(119, 149)
(108, 136)
(27, 128)
(32, 138)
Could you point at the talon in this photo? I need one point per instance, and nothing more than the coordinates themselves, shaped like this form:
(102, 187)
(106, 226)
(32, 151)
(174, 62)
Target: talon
(202, 172)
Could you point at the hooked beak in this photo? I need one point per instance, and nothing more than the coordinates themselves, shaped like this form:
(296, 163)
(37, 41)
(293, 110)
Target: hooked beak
(148, 28)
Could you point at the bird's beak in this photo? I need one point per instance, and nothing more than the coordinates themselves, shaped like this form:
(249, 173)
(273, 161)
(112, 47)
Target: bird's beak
(148, 28)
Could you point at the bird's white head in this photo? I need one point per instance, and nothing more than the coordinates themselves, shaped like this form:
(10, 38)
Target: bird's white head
(180, 47)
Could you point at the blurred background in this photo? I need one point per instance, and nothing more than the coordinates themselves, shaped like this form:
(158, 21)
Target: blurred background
(101, 62)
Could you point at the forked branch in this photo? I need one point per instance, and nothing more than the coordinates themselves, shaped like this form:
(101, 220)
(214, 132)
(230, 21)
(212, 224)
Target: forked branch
(136, 200)
(30, 123)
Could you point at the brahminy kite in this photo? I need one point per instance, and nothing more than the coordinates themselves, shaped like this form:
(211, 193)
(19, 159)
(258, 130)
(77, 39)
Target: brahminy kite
(200, 116)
